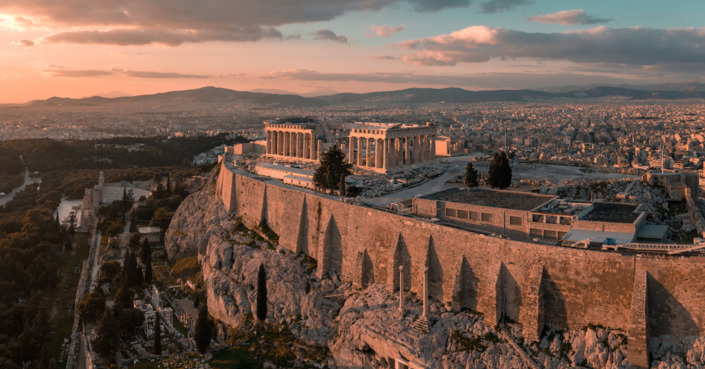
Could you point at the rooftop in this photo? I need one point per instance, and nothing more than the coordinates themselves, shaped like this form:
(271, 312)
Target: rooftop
(563, 207)
(612, 212)
(491, 198)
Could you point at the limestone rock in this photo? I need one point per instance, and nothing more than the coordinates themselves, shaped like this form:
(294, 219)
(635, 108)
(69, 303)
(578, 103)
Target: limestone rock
(198, 217)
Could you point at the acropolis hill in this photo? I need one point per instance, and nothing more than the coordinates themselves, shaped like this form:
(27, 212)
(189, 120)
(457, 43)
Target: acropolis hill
(539, 286)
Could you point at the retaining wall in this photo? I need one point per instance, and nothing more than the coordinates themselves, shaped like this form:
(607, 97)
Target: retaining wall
(536, 285)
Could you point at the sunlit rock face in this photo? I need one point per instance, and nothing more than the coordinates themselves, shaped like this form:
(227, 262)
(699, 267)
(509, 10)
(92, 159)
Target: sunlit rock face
(362, 327)
(197, 219)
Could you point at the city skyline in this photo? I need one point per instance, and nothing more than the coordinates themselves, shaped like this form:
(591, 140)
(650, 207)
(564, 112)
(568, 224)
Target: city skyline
(80, 49)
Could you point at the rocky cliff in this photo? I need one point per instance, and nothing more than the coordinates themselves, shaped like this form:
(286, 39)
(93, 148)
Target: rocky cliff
(362, 327)
(197, 219)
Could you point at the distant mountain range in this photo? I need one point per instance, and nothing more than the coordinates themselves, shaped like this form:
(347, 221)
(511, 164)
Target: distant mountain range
(221, 96)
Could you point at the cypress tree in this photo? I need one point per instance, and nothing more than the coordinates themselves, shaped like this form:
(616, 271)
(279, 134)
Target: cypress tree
(261, 294)
(204, 330)
(471, 179)
(132, 273)
(147, 261)
(500, 173)
(157, 336)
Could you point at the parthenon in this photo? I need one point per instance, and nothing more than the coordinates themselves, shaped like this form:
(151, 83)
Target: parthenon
(385, 146)
(378, 147)
(293, 140)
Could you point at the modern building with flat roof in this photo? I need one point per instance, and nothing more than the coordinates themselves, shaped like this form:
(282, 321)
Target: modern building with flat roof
(532, 216)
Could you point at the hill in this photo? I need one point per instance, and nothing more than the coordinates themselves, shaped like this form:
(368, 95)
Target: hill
(224, 97)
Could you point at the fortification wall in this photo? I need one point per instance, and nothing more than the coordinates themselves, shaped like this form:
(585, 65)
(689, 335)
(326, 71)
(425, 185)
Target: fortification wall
(534, 284)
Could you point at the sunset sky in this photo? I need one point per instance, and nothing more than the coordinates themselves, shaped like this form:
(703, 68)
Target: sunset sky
(79, 48)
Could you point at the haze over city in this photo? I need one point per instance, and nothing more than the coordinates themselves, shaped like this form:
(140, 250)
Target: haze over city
(83, 48)
(352, 184)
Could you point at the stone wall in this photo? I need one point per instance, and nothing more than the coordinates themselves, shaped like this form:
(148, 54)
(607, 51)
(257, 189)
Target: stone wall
(536, 285)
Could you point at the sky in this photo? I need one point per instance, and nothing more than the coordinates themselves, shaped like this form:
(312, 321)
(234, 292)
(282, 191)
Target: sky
(80, 48)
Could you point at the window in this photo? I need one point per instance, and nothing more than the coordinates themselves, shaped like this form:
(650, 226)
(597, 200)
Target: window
(516, 221)
(565, 220)
(536, 232)
(474, 215)
(486, 217)
(551, 235)
(462, 214)
(561, 235)
(451, 212)
(551, 219)
(537, 218)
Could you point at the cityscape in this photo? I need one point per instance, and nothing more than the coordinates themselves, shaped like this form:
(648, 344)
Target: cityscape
(396, 184)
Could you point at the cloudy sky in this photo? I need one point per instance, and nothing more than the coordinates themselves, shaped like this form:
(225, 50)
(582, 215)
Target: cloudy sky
(78, 48)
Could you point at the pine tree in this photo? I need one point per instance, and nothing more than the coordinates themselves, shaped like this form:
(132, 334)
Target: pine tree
(333, 168)
(157, 336)
(261, 294)
(471, 179)
(204, 330)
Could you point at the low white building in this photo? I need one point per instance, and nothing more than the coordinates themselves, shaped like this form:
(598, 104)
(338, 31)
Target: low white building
(289, 175)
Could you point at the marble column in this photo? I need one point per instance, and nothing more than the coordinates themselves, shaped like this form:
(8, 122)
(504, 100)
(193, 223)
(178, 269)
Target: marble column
(280, 143)
(307, 145)
(287, 142)
(392, 155)
(407, 150)
(385, 151)
(379, 152)
(313, 147)
(361, 147)
(370, 162)
(292, 144)
(433, 147)
(300, 147)
(350, 149)
(416, 150)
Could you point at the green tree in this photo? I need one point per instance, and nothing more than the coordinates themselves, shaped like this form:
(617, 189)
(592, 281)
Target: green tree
(91, 306)
(157, 335)
(204, 330)
(123, 299)
(261, 294)
(129, 320)
(108, 271)
(147, 264)
(145, 251)
(107, 339)
(471, 179)
(162, 218)
(333, 169)
(132, 274)
(500, 173)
